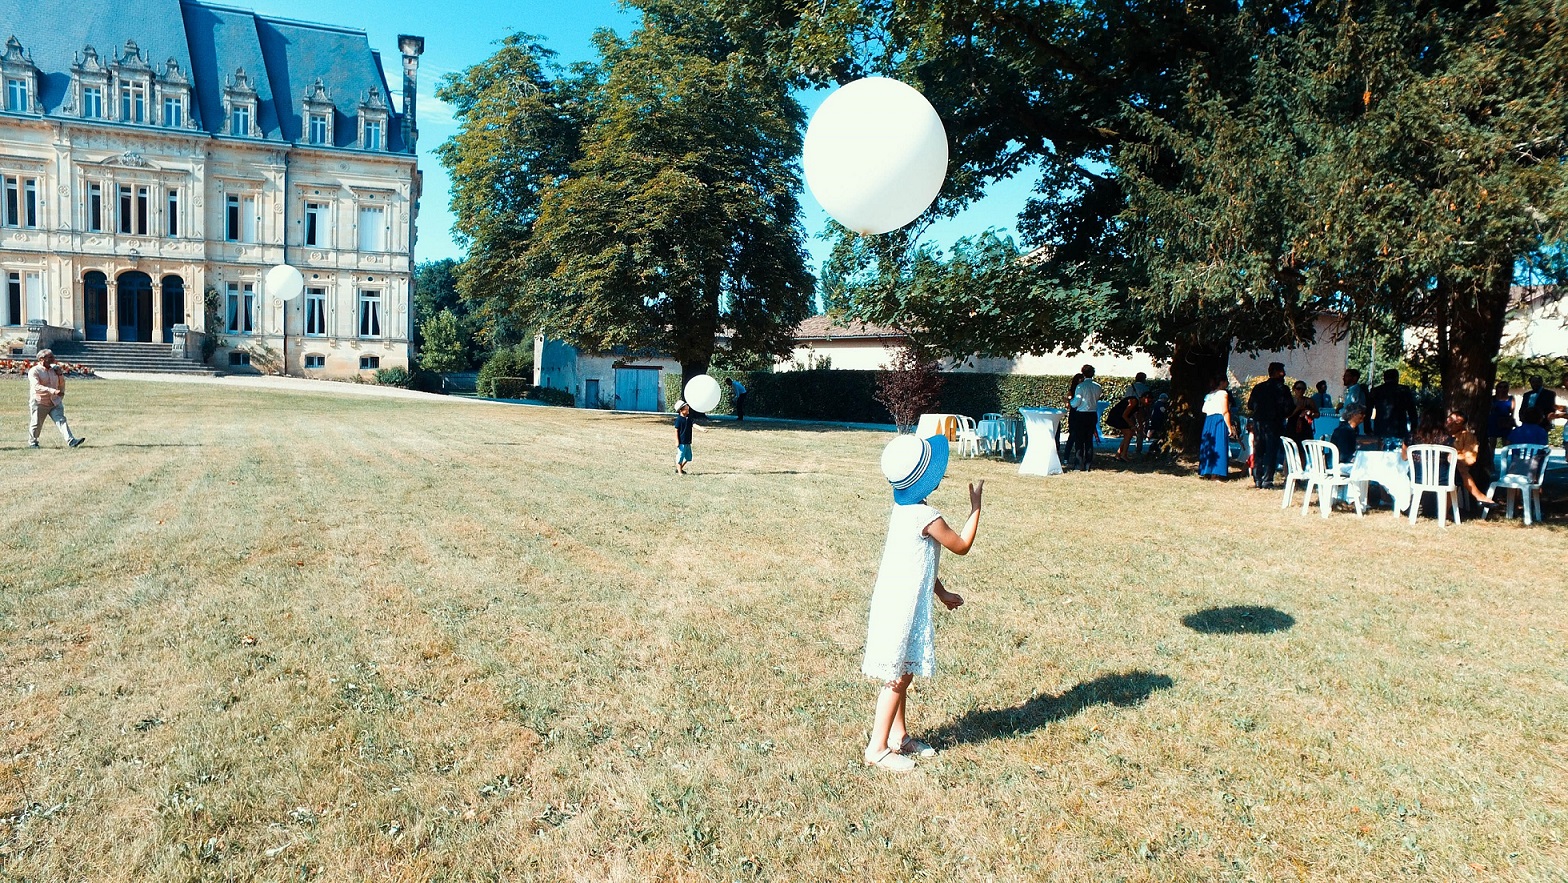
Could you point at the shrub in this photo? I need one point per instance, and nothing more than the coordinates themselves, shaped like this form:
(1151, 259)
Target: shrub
(520, 388)
(21, 366)
(509, 387)
(396, 375)
(558, 397)
(516, 361)
(425, 381)
(909, 388)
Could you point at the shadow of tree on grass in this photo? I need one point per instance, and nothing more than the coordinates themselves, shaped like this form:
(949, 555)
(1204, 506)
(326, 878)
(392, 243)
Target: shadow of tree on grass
(1240, 620)
(1122, 690)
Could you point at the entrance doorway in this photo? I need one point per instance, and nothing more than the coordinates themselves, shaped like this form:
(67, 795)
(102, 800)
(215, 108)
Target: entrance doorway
(134, 292)
(637, 389)
(173, 306)
(95, 306)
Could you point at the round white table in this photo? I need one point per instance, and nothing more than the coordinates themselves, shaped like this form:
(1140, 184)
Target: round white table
(1040, 457)
(1388, 469)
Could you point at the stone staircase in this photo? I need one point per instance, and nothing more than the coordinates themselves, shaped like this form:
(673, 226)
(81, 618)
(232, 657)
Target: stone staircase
(103, 355)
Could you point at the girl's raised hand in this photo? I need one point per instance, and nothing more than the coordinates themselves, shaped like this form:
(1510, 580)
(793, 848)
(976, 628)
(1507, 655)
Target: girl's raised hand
(975, 490)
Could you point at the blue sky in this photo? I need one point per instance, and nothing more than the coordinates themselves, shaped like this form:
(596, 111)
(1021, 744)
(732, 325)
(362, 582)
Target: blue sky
(459, 33)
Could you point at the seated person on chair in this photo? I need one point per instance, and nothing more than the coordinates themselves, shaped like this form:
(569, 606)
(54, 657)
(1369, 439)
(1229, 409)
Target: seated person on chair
(1469, 448)
(1531, 429)
(1346, 433)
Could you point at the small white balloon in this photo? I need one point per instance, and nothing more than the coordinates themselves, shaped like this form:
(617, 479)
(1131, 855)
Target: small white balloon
(284, 282)
(875, 155)
(702, 393)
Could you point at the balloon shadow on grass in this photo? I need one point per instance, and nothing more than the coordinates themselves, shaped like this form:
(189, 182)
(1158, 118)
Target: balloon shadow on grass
(1123, 689)
(1239, 620)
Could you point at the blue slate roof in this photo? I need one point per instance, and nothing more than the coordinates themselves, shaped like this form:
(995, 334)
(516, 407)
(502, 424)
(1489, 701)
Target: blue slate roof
(283, 58)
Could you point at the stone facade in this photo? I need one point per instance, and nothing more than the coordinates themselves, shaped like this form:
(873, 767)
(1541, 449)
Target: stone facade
(137, 197)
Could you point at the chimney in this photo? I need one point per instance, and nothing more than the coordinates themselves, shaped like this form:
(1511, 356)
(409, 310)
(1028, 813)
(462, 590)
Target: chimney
(412, 48)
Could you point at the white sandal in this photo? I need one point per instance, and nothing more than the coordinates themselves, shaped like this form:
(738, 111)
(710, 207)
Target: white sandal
(912, 747)
(892, 761)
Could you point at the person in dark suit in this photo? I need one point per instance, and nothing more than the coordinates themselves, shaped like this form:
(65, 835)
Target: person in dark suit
(1540, 400)
(1270, 403)
(1393, 407)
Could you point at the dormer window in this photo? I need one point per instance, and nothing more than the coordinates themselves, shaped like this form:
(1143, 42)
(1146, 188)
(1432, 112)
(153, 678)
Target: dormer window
(16, 95)
(90, 86)
(21, 78)
(133, 77)
(373, 115)
(319, 115)
(174, 90)
(239, 105)
(133, 102)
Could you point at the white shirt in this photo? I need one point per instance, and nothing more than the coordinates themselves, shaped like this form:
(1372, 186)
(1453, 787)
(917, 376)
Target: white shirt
(1087, 396)
(1216, 402)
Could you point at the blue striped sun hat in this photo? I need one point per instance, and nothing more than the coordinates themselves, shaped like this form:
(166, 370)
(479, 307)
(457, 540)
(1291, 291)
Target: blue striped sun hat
(914, 466)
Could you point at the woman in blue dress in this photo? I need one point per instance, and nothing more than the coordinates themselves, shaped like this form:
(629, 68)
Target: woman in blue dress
(1214, 447)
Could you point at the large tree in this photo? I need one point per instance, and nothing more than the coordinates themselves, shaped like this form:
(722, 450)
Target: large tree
(1227, 169)
(654, 204)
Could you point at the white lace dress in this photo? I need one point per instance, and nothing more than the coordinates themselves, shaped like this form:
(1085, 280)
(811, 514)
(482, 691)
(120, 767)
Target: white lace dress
(898, 636)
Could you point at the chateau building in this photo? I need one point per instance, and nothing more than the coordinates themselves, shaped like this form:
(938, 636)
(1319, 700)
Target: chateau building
(158, 157)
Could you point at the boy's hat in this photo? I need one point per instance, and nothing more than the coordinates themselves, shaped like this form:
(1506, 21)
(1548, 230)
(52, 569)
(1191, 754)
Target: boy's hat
(680, 404)
(914, 466)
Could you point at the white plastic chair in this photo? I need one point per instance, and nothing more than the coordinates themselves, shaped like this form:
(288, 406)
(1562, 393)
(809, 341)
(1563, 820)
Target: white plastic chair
(1433, 469)
(1294, 472)
(968, 439)
(1524, 470)
(1323, 475)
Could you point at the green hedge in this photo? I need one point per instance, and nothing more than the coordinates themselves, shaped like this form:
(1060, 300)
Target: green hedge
(509, 387)
(849, 396)
(523, 388)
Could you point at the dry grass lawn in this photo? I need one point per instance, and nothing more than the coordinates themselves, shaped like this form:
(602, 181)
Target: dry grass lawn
(254, 635)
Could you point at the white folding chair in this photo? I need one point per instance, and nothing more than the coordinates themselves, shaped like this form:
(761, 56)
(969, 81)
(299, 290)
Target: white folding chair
(1323, 475)
(968, 438)
(1433, 470)
(1524, 470)
(1294, 472)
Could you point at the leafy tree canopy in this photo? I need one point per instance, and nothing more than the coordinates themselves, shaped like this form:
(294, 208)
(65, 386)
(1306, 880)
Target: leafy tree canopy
(648, 201)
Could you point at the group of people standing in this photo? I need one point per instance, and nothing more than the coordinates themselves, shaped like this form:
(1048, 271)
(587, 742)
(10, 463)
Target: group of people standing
(1388, 411)
(1138, 415)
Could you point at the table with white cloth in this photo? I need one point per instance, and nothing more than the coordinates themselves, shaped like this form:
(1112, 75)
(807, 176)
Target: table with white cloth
(997, 432)
(1040, 457)
(1388, 469)
(937, 424)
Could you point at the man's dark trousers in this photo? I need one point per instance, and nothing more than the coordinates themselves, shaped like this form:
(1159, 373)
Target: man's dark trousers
(1266, 450)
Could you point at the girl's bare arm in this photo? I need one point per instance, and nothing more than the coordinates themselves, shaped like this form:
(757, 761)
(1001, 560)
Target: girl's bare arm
(960, 543)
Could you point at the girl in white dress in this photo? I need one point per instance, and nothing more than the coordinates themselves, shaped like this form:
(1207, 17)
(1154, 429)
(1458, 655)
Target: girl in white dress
(898, 636)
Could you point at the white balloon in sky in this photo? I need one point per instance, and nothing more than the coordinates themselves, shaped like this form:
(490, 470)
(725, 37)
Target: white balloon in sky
(875, 155)
(284, 282)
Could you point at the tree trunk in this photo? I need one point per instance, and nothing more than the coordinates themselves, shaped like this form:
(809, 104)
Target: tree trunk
(693, 367)
(1475, 317)
(1195, 365)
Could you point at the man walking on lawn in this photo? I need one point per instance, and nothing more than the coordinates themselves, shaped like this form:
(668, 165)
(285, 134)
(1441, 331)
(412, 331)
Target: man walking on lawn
(46, 398)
